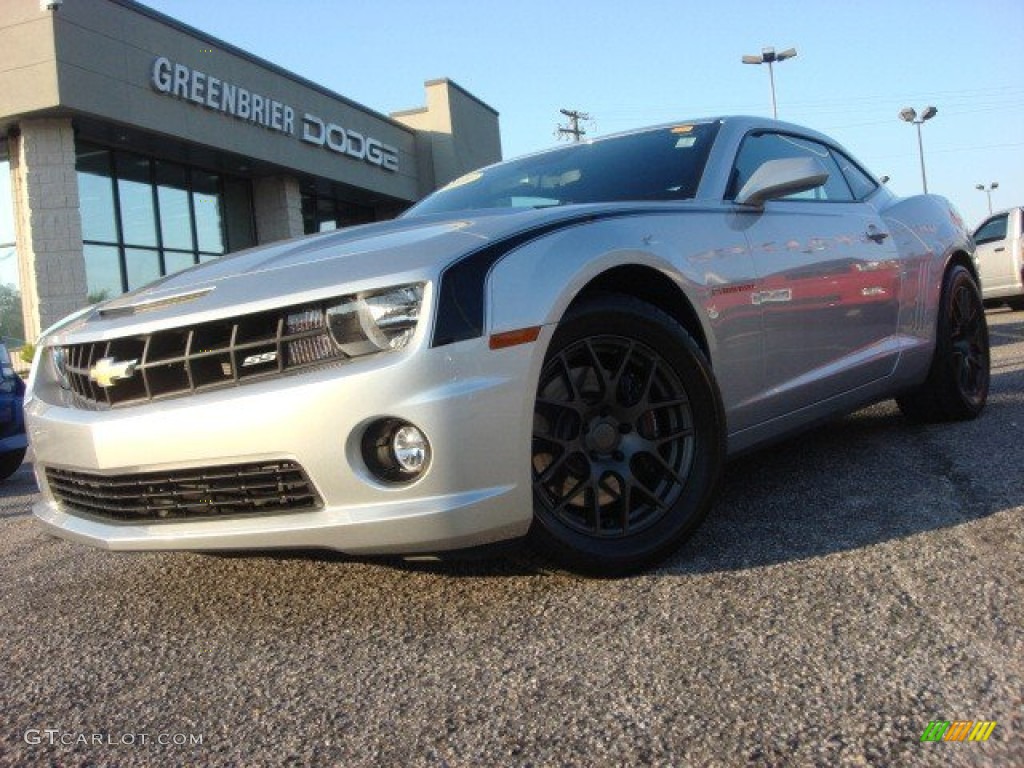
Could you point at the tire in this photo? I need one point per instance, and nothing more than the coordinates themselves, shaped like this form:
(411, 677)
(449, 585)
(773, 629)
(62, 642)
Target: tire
(628, 438)
(1016, 304)
(957, 385)
(9, 462)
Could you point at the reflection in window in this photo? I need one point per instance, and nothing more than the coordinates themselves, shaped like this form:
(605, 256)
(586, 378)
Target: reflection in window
(759, 148)
(96, 194)
(324, 213)
(992, 230)
(175, 217)
(143, 266)
(207, 202)
(102, 272)
(176, 262)
(135, 192)
(861, 184)
(143, 218)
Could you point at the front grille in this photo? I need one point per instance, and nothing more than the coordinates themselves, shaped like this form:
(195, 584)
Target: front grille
(229, 491)
(180, 361)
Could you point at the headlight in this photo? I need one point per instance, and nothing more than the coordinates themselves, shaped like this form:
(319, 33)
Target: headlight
(379, 321)
(59, 363)
(353, 325)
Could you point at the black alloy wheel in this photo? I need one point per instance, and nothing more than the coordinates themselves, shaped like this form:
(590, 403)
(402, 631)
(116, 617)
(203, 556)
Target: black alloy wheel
(969, 342)
(958, 380)
(628, 438)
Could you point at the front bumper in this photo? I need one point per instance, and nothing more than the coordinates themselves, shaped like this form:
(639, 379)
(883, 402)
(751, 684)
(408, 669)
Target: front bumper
(474, 405)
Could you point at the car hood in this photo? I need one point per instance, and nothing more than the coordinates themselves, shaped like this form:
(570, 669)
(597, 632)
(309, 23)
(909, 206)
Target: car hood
(307, 269)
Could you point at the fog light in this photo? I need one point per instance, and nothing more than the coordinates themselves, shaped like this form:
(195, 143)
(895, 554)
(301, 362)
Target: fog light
(395, 451)
(410, 448)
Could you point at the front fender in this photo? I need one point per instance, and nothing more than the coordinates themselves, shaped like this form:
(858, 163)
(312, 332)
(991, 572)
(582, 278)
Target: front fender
(534, 284)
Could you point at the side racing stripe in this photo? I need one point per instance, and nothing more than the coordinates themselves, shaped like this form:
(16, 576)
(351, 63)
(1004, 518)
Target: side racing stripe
(461, 301)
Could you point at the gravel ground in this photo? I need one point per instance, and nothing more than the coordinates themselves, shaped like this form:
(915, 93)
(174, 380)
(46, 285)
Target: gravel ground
(851, 585)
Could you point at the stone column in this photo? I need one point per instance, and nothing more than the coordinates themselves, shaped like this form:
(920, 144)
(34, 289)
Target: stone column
(47, 222)
(278, 206)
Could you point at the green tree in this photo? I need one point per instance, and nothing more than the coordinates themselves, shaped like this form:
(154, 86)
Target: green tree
(12, 326)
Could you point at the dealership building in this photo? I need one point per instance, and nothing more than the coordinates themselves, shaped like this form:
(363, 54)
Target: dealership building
(133, 146)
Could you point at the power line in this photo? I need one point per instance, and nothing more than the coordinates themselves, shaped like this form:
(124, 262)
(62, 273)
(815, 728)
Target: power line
(1006, 97)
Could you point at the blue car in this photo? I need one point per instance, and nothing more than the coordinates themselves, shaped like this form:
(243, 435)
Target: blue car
(12, 418)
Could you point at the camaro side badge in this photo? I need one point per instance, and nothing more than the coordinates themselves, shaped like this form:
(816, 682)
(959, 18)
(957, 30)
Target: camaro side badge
(108, 370)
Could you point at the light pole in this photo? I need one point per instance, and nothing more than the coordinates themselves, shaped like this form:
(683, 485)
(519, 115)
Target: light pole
(769, 56)
(909, 114)
(988, 191)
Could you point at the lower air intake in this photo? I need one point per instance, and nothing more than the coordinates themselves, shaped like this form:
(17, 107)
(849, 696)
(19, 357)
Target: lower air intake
(230, 491)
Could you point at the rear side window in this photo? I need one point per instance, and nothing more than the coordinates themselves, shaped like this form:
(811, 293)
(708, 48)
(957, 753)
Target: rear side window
(758, 148)
(860, 183)
(992, 230)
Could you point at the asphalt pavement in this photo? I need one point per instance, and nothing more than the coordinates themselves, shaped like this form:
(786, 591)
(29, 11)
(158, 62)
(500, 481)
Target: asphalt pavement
(851, 586)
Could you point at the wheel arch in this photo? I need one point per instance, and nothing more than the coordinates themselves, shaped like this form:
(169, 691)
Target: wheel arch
(653, 287)
(962, 259)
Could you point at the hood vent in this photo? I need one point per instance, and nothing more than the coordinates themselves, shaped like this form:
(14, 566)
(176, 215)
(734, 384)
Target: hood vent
(127, 310)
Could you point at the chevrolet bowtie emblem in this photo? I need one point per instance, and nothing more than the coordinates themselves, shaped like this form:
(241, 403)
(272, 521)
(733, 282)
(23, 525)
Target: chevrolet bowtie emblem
(108, 370)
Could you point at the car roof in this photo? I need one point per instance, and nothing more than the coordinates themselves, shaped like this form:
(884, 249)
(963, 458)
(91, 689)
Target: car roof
(996, 214)
(738, 123)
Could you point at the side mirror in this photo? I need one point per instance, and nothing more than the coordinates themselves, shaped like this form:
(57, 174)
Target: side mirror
(779, 178)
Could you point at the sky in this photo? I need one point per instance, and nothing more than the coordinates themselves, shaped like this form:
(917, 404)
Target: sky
(647, 62)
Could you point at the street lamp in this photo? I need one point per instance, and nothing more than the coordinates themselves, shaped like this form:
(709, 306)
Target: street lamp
(988, 191)
(909, 114)
(769, 56)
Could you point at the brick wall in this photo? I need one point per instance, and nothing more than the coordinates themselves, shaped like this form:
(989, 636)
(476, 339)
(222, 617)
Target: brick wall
(48, 224)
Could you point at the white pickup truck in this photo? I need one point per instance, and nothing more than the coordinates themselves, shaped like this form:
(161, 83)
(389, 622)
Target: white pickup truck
(1000, 257)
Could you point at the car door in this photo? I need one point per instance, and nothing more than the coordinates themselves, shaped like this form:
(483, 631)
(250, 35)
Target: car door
(828, 280)
(995, 256)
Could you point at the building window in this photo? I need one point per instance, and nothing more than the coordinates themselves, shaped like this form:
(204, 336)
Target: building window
(12, 329)
(144, 218)
(323, 213)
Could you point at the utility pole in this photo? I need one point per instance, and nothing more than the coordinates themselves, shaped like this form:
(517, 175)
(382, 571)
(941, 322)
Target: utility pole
(573, 129)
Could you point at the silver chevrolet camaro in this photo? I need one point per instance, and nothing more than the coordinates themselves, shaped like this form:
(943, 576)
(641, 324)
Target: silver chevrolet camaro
(563, 347)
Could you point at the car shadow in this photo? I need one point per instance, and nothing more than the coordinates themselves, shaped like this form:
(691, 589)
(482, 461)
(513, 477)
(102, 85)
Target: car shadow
(857, 482)
(862, 480)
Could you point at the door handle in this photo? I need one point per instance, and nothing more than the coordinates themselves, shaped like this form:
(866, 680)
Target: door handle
(1000, 249)
(874, 233)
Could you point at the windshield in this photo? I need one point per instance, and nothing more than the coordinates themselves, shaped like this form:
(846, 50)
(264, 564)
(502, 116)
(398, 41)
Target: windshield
(659, 164)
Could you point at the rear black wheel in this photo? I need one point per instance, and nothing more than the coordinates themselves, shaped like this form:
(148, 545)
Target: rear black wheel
(628, 438)
(958, 380)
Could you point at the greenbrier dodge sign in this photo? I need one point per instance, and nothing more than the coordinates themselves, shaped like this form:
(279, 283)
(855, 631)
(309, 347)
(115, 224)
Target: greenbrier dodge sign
(213, 93)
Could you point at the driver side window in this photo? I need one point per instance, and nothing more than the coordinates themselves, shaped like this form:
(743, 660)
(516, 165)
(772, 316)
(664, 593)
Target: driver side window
(992, 230)
(758, 148)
